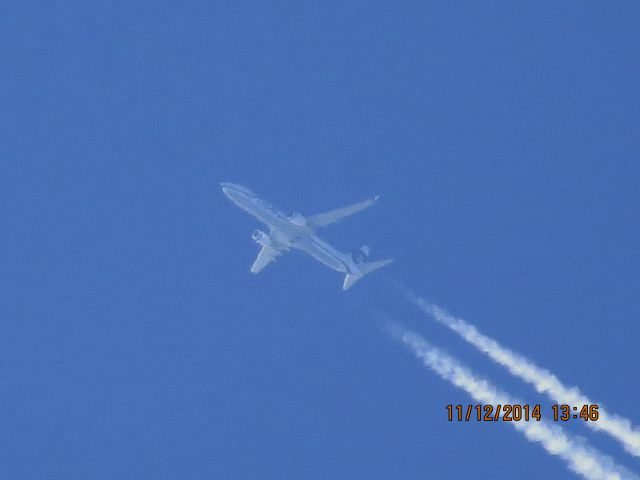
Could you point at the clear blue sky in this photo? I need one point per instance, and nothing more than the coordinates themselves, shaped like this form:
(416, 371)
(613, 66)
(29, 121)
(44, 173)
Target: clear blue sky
(134, 342)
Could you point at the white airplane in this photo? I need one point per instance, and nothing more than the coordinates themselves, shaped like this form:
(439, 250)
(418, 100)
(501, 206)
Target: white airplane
(297, 231)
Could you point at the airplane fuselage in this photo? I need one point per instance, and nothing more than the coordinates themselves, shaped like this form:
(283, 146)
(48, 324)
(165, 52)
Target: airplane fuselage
(289, 232)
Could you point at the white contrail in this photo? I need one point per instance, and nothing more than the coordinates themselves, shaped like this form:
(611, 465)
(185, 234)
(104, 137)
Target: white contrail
(579, 456)
(543, 380)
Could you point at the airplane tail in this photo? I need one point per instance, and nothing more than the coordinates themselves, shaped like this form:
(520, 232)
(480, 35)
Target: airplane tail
(365, 268)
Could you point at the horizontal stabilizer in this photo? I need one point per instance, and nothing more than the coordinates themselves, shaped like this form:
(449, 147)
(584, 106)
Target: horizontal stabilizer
(350, 279)
(332, 216)
(371, 266)
(365, 268)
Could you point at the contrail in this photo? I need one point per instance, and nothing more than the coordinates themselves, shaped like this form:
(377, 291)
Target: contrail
(579, 456)
(543, 380)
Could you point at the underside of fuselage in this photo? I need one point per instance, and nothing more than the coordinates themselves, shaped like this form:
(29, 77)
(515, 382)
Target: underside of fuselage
(295, 231)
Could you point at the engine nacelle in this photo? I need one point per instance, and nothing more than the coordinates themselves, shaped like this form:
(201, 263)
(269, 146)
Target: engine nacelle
(298, 219)
(262, 238)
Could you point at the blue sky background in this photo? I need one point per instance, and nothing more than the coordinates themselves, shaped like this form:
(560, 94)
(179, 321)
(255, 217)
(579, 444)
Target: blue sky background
(134, 342)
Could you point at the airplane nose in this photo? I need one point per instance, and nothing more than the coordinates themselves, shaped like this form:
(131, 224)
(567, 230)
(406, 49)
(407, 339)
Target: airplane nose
(236, 192)
(227, 188)
(233, 191)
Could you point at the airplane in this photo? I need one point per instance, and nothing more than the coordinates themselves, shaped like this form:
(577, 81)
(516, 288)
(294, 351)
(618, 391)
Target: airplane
(296, 231)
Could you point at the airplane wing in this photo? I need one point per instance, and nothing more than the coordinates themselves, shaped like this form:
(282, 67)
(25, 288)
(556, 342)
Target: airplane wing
(332, 216)
(265, 257)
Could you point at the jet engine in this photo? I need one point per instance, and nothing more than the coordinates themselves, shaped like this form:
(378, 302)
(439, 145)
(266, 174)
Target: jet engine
(298, 219)
(262, 238)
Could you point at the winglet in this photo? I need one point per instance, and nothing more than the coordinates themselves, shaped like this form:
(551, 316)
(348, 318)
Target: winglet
(332, 216)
